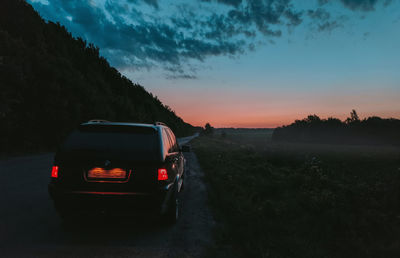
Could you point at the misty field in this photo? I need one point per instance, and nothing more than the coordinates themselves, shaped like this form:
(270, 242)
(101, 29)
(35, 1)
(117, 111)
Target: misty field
(296, 200)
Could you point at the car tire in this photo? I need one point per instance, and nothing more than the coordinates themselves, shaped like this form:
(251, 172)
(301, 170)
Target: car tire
(183, 184)
(173, 211)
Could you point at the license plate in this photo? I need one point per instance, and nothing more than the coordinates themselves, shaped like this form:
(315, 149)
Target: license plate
(114, 173)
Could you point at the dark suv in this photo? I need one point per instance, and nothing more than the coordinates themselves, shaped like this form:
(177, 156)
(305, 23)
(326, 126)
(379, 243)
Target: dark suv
(122, 168)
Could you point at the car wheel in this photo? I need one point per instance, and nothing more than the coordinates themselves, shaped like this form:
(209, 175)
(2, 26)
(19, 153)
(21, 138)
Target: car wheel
(172, 214)
(183, 184)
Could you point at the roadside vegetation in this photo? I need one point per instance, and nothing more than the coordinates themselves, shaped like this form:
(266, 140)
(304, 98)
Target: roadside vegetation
(300, 200)
(353, 130)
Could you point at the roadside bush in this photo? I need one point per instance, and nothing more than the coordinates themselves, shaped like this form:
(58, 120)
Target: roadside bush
(324, 206)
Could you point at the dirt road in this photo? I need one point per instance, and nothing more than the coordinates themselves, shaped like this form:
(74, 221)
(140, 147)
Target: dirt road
(29, 226)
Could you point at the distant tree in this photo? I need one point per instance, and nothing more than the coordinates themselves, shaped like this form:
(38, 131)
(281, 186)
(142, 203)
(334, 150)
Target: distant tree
(353, 117)
(208, 129)
(312, 119)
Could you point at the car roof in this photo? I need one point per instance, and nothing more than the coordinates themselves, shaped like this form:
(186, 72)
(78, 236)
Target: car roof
(105, 123)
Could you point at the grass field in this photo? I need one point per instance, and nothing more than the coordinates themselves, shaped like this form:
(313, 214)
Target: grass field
(276, 200)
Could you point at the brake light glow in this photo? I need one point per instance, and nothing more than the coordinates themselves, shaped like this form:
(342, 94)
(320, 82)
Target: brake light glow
(162, 174)
(54, 172)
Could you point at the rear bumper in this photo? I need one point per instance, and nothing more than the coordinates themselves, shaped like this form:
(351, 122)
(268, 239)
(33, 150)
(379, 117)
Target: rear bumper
(130, 203)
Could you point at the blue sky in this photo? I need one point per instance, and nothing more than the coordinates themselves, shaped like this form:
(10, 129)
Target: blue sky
(242, 63)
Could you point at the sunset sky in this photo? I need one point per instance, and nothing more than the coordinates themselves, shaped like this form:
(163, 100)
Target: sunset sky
(242, 63)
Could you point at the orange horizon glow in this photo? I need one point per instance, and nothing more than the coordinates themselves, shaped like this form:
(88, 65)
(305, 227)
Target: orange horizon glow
(242, 109)
(270, 123)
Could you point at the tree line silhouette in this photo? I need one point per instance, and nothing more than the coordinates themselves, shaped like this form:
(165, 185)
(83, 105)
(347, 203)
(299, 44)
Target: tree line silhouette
(371, 130)
(50, 82)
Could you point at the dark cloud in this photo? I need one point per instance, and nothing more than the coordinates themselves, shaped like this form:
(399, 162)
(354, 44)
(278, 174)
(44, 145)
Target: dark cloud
(222, 26)
(321, 19)
(227, 2)
(320, 14)
(294, 18)
(131, 39)
(329, 26)
(143, 44)
(264, 14)
(261, 13)
(153, 3)
(364, 5)
(175, 76)
(361, 5)
(177, 72)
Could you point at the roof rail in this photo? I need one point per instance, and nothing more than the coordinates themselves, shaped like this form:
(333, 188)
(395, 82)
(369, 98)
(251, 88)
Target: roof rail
(159, 123)
(98, 121)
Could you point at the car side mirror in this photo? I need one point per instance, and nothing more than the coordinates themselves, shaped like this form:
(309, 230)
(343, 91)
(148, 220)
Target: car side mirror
(185, 148)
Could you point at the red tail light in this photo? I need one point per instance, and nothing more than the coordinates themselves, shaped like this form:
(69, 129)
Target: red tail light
(54, 172)
(162, 174)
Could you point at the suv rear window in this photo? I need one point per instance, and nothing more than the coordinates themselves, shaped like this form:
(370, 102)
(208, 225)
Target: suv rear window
(138, 143)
